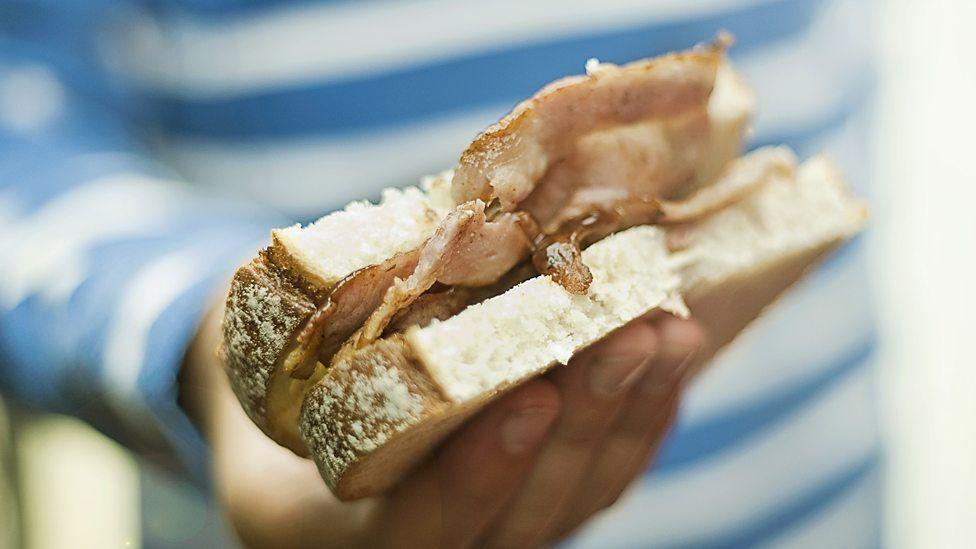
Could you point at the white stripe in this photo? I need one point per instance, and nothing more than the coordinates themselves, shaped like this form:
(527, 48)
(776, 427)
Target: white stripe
(328, 42)
(45, 251)
(146, 296)
(799, 81)
(10, 210)
(318, 175)
(314, 175)
(736, 489)
(848, 147)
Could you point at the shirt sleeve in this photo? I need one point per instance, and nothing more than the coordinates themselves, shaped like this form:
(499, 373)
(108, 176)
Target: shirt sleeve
(107, 260)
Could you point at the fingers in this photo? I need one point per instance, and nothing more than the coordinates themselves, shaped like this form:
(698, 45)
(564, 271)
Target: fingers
(593, 388)
(550, 454)
(452, 499)
(622, 458)
(641, 424)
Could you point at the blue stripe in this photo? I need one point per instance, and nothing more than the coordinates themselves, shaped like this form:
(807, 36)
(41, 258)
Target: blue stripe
(846, 252)
(69, 40)
(225, 9)
(691, 443)
(167, 342)
(464, 83)
(59, 374)
(47, 172)
(791, 514)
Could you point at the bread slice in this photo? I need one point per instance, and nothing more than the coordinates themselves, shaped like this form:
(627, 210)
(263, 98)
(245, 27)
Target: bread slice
(375, 415)
(273, 297)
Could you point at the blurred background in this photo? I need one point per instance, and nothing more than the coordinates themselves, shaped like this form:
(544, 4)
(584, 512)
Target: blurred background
(922, 251)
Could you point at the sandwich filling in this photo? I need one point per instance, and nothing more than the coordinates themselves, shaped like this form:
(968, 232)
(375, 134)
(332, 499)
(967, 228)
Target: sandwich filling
(638, 144)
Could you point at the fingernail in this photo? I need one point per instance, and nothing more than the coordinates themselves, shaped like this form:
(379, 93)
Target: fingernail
(524, 429)
(669, 369)
(613, 375)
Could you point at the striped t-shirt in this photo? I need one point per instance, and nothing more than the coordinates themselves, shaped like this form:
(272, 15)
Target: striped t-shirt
(146, 147)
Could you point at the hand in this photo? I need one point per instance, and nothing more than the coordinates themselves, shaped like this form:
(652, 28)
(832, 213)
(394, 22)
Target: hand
(527, 470)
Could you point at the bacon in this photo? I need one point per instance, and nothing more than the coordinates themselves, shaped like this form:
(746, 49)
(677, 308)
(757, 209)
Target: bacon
(466, 250)
(510, 157)
(742, 178)
(488, 250)
(349, 304)
(640, 162)
(562, 261)
(469, 250)
(428, 307)
(559, 254)
(435, 255)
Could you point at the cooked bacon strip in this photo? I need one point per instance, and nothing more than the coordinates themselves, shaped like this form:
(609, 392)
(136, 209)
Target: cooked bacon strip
(348, 306)
(741, 179)
(643, 161)
(434, 256)
(428, 307)
(440, 303)
(466, 250)
(509, 158)
(488, 250)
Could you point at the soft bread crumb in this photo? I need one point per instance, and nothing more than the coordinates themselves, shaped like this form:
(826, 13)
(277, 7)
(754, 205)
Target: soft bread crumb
(438, 191)
(538, 323)
(402, 220)
(794, 211)
(594, 67)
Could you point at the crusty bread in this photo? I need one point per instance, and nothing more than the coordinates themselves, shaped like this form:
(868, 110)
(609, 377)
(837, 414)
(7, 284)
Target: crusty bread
(265, 306)
(272, 298)
(402, 220)
(732, 234)
(375, 415)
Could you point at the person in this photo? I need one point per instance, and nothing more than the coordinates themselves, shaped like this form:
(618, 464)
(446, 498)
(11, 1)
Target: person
(147, 147)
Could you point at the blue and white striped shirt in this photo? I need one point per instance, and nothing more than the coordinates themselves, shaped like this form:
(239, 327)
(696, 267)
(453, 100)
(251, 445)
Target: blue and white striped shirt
(146, 147)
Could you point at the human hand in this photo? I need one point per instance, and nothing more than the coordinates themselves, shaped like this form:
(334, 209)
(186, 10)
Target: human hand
(525, 471)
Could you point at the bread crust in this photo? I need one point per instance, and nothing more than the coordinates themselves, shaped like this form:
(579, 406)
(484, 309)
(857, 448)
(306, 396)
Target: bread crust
(359, 406)
(265, 308)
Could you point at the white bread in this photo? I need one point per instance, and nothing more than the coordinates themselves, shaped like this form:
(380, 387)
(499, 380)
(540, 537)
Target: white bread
(272, 298)
(370, 416)
(375, 415)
